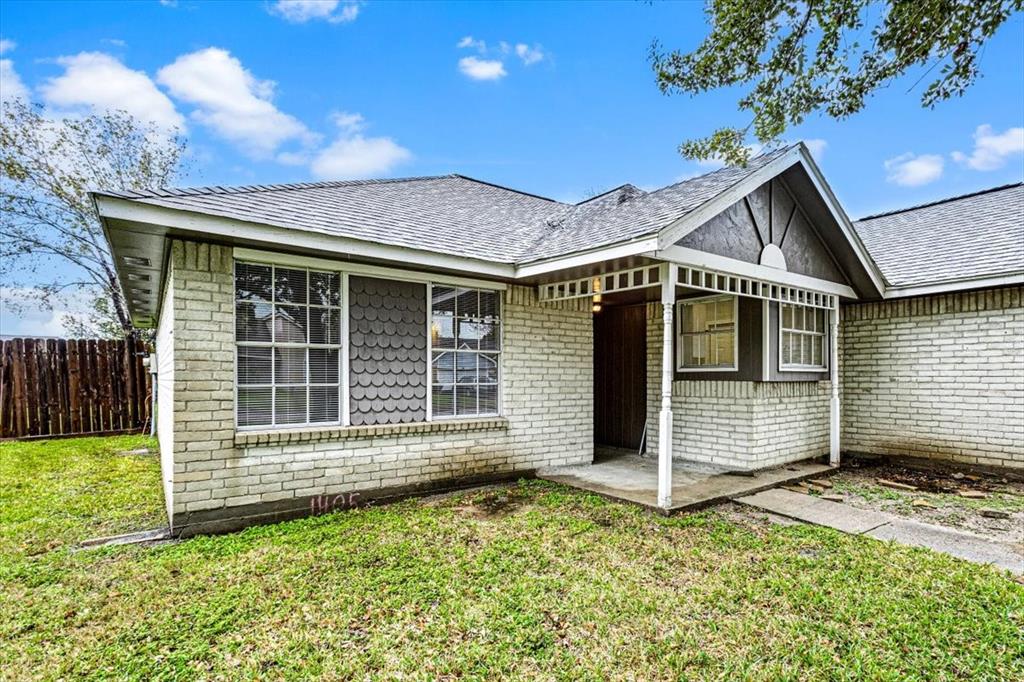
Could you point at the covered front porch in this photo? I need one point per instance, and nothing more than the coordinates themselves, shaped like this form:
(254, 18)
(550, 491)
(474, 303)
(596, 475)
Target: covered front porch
(634, 478)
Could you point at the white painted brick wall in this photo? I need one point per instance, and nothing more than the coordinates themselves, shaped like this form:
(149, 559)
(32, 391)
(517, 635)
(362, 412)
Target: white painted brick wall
(547, 387)
(936, 376)
(736, 424)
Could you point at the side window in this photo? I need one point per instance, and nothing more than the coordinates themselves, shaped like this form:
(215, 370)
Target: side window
(465, 342)
(707, 334)
(802, 340)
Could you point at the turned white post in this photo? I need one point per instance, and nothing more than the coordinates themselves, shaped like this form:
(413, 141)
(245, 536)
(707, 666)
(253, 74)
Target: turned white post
(668, 299)
(833, 351)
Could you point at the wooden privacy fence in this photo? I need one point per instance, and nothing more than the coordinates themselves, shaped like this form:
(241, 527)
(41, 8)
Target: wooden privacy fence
(56, 387)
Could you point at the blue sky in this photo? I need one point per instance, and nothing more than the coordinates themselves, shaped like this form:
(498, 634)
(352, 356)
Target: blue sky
(552, 98)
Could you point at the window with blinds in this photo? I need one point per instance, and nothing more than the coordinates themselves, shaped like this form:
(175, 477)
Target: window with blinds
(288, 336)
(802, 344)
(465, 342)
(707, 334)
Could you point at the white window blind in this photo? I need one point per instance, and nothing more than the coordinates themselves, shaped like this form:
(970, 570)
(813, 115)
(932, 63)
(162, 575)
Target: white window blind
(465, 342)
(288, 336)
(707, 334)
(802, 342)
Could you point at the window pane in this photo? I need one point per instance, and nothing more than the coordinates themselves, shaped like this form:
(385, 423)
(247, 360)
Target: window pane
(323, 403)
(490, 335)
(787, 316)
(442, 331)
(488, 368)
(724, 312)
(290, 324)
(816, 356)
(488, 400)
(465, 368)
(252, 282)
(324, 325)
(689, 357)
(254, 406)
(289, 285)
(698, 318)
(470, 332)
(443, 368)
(254, 365)
(805, 349)
(468, 303)
(443, 401)
(325, 288)
(489, 305)
(465, 400)
(787, 348)
(252, 321)
(725, 355)
(443, 300)
(289, 365)
(290, 405)
(323, 366)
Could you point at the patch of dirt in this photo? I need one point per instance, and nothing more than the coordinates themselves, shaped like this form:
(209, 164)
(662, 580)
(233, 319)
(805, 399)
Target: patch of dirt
(493, 501)
(938, 496)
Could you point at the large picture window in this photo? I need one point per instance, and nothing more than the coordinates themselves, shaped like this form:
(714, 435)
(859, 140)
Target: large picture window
(707, 334)
(802, 342)
(288, 336)
(465, 343)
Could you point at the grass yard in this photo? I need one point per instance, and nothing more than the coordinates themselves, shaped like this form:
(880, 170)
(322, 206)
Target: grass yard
(527, 581)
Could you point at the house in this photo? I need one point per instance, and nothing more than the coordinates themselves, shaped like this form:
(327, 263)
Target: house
(319, 344)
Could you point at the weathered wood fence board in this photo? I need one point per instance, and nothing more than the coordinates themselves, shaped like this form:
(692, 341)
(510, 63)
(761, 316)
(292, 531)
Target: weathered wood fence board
(54, 387)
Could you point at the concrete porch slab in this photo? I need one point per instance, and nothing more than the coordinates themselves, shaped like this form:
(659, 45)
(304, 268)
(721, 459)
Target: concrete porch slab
(632, 478)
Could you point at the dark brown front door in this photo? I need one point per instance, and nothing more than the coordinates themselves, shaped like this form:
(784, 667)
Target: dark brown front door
(620, 376)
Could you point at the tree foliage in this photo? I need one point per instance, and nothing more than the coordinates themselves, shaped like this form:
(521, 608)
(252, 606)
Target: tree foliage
(47, 167)
(796, 57)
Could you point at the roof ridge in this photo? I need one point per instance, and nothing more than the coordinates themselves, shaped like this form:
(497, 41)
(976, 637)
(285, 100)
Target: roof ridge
(274, 187)
(606, 193)
(507, 189)
(940, 201)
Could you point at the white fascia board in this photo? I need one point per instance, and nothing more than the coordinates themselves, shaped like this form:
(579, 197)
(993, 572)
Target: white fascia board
(840, 216)
(278, 258)
(681, 255)
(127, 209)
(954, 286)
(634, 248)
(675, 231)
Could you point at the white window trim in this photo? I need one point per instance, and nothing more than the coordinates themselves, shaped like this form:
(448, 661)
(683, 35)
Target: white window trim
(345, 270)
(341, 347)
(735, 338)
(430, 358)
(819, 369)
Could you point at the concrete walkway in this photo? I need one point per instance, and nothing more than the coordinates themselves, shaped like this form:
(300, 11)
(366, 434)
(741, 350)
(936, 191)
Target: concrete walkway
(694, 485)
(883, 526)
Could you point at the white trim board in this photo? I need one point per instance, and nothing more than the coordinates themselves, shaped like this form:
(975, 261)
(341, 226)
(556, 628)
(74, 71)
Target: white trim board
(953, 286)
(278, 258)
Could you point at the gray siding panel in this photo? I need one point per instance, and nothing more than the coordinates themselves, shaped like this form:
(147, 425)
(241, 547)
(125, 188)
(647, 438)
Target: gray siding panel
(388, 346)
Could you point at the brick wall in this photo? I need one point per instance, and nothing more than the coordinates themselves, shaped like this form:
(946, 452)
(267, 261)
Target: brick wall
(547, 387)
(736, 424)
(936, 376)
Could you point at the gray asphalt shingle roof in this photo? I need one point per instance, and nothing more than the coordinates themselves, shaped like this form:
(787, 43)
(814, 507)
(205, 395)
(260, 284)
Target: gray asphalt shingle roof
(457, 215)
(975, 235)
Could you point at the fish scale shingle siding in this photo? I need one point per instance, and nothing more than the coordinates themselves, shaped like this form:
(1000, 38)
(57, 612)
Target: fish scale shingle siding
(937, 376)
(388, 346)
(223, 479)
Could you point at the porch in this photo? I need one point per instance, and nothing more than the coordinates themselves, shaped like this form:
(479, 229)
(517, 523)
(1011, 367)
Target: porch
(633, 478)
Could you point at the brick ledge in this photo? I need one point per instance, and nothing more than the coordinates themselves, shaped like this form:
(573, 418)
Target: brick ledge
(309, 435)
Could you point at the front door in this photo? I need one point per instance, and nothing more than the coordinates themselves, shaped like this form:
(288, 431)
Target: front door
(620, 376)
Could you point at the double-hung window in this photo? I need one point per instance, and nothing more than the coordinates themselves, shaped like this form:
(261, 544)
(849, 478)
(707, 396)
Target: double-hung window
(707, 334)
(802, 342)
(288, 337)
(465, 346)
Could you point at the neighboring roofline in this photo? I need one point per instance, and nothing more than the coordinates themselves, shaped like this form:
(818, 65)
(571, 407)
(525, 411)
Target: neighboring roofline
(938, 202)
(606, 193)
(951, 286)
(507, 189)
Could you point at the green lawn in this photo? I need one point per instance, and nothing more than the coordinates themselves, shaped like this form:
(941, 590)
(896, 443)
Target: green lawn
(531, 581)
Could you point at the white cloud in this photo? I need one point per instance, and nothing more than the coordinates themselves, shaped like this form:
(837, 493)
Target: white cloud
(992, 149)
(910, 170)
(529, 55)
(469, 42)
(817, 147)
(99, 82)
(232, 102)
(7, 45)
(354, 157)
(348, 122)
(169, 3)
(482, 69)
(301, 11)
(21, 313)
(11, 86)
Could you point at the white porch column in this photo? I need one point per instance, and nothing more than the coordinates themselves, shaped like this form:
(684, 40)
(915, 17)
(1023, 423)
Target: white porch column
(668, 300)
(833, 350)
